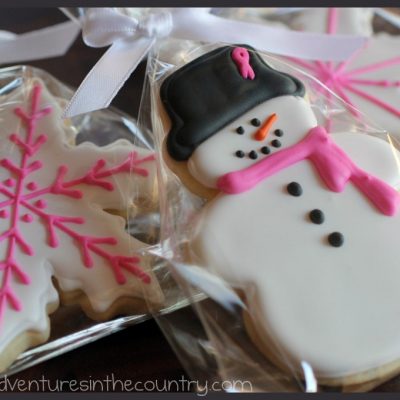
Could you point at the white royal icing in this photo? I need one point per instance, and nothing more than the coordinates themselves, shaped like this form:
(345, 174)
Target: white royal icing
(335, 308)
(369, 80)
(379, 48)
(65, 261)
(351, 21)
(224, 145)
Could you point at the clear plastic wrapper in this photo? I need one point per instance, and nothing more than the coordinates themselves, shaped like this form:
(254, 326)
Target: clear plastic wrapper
(79, 211)
(297, 265)
(368, 80)
(351, 20)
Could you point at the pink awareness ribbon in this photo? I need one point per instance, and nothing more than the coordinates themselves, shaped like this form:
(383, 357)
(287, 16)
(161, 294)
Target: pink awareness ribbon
(241, 57)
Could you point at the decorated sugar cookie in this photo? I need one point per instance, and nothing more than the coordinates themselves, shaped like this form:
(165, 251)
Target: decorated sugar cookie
(348, 21)
(303, 222)
(369, 81)
(53, 222)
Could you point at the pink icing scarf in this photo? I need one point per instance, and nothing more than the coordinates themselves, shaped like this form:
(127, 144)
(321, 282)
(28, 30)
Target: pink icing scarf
(331, 162)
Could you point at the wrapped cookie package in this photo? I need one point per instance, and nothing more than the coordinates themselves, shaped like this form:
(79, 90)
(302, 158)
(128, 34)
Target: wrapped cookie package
(78, 211)
(369, 80)
(280, 204)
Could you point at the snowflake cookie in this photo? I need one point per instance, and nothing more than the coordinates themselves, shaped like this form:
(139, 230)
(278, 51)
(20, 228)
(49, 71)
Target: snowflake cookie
(369, 80)
(347, 21)
(56, 239)
(303, 223)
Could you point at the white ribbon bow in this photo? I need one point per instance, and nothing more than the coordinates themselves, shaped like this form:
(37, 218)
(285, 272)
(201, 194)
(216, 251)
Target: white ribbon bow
(104, 26)
(131, 39)
(48, 42)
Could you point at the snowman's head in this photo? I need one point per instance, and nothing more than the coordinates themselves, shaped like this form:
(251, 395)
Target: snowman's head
(230, 109)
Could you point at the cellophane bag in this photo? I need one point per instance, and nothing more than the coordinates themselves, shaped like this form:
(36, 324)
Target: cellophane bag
(78, 213)
(368, 80)
(279, 220)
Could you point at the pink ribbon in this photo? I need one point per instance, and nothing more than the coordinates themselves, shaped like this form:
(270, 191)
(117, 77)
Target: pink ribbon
(242, 59)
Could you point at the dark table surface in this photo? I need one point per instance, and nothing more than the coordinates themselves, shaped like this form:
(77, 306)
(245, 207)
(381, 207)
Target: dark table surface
(138, 353)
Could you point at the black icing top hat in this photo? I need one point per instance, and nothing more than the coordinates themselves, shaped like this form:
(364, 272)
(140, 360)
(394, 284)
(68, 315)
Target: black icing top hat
(213, 90)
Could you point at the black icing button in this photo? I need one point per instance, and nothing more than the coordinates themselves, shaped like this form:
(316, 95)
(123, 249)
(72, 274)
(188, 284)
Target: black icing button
(336, 239)
(253, 155)
(240, 130)
(317, 216)
(295, 189)
(278, 132)
(240, 154)
(255, 122)
(276, 143)
(265, 150)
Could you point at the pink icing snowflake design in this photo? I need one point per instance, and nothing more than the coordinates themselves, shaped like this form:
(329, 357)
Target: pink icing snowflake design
(341, 79)
(23, 204)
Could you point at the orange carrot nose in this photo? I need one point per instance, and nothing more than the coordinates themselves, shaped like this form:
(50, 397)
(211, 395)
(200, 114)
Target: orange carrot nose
(263, 131)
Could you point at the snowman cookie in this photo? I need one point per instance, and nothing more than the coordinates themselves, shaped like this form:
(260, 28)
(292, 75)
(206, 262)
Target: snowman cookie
(304, 223)
(56, 239)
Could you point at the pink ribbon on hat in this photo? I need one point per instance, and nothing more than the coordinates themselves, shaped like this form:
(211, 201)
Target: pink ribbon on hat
(241, 57)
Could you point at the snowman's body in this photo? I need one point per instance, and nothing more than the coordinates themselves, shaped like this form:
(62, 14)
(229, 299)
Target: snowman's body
(337, 308)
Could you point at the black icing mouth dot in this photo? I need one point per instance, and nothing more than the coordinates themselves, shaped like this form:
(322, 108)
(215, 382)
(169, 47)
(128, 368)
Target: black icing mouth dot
(317, 216)
(276, 143)
(253, 155)
(336, 239)
(240, 130)
(294, 189)
(240, 154)
(255, 122)
(278, 132)
(265, 150)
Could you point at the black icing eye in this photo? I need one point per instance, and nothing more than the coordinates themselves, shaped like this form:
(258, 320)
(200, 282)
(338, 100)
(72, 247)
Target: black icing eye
(240, 154)
(253, 155)
(240, 130)
(255, 122)
(265, 150)
(278, 132)
(276, 143)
